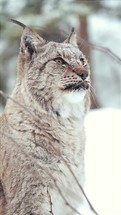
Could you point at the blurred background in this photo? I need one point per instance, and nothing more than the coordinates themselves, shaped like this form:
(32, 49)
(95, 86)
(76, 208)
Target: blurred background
(98, 25)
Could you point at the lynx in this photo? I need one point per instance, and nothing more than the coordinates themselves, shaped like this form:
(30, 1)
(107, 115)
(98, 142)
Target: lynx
(42, 128)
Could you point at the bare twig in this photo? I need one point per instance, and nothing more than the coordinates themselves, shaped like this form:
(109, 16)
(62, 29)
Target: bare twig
(81, 188)
(83, 43)
(107, 51)
(50, 201)
(4, 95)
(77, 182)
(63, 197)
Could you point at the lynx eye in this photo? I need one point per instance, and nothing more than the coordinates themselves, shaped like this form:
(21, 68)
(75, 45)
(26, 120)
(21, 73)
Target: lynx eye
(82, 61)
(59, 60)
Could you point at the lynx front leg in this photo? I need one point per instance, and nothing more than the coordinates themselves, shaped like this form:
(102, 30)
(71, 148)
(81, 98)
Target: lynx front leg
(33, 202)
(29, 198)
(25, 187)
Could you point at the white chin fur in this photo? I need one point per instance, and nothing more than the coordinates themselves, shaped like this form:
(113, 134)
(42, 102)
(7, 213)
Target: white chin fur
(74, 96)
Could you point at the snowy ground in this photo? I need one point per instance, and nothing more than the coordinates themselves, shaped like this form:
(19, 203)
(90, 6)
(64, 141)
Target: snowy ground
(103, 160)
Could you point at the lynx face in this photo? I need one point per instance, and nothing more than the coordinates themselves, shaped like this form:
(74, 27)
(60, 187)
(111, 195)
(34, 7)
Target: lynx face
(64, 71)
(53, 71)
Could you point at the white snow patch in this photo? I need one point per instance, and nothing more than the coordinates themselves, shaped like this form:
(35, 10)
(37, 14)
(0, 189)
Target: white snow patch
(103, 160)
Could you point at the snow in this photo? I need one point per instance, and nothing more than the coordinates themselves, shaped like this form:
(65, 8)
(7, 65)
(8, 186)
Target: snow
(103, 160)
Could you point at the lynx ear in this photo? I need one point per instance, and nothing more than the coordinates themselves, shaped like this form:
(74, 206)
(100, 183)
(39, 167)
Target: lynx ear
(72, 39)
(30, 40)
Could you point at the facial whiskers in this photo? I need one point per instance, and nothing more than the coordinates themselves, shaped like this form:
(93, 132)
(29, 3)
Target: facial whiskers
(93, 94)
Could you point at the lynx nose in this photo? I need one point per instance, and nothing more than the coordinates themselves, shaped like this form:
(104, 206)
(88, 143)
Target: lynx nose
(83, 73)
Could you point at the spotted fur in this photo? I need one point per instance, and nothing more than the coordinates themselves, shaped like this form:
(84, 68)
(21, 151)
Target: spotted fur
(42, 128)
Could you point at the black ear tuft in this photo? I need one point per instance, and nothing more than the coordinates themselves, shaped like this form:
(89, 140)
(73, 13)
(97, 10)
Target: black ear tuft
(18, 23)
(30, 40)
(72, 39)
(29, 45)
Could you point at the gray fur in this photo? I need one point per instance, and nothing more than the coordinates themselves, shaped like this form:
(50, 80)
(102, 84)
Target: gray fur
(42, 126)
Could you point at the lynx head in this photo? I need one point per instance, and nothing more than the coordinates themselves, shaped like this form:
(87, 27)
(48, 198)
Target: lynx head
(55, 75)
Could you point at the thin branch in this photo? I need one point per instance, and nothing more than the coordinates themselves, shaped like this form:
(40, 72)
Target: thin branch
(63, 197)
(50, 201)
(81, 188)
(4, 95)
(83, 43)
(107, 51)
(77, 182)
